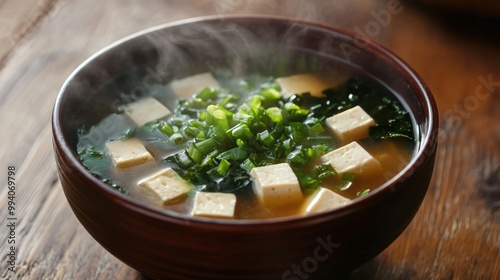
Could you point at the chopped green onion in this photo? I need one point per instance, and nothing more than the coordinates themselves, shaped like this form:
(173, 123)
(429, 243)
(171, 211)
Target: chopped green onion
(248, 165)
(347, 177)
(166, 129)
(206, 94)
(324, 171)
(274, 114)
(206, 146)
(235, 154)
(363, 192)
(182, 159)
(317, 129)
(177, 138)
(241, 131)
(194, 153)
(243, 118)
(223, 167)
(346, 181)
(270, 94)
(265, 138)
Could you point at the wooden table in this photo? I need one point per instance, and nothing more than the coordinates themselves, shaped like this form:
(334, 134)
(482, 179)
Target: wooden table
(456, 233)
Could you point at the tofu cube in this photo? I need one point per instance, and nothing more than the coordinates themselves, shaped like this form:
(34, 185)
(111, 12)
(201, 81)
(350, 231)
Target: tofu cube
(352, 158)
(350, 125)
(302, 83)
(323, 200)
(276, 184)
(146, 110)
(217, 205)
(165, 187)
(128, 153)
(186, 87)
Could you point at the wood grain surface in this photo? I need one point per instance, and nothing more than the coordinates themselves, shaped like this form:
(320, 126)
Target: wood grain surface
(456, 233)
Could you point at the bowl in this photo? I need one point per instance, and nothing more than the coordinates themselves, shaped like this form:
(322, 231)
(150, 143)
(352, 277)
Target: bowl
(166, 245)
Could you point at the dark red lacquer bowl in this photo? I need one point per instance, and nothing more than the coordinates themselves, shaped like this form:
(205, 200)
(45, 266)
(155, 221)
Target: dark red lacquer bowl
(172, 246)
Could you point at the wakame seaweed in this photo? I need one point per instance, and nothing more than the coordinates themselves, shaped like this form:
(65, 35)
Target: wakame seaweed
(393, 121)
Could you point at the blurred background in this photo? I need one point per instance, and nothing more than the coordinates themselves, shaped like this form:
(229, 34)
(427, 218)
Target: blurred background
(453, 45)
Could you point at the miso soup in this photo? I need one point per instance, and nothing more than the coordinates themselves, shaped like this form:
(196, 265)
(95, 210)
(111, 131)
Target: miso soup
(252, 147)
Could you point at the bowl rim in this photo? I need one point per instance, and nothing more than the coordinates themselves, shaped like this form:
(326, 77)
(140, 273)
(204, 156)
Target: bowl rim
(425, 148)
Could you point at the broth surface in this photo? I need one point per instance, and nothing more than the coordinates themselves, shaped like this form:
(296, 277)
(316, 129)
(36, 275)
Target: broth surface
(393, 155)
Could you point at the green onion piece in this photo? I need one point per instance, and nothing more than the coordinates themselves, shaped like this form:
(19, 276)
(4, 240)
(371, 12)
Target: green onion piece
(196, 103)
(201, 136)
(196, 123)
(190, 131)
(243, 118)
(317, 129)
(177, 138)
(245, 108)
(288, 144)
(206, 94)
(166, 129)
(227, 113)
(226, 100)
(236, 154)
(270, 94)
(210, 115)
(206, 146)
(308, 183)
(223, 167)
(178, 120)
(241, 131)
(202, 116)
(347, 177)
(295, 113)
(324, 171)
(279, 129)
(265, 138)
(248, 165)
(274, 114)
(296, 157)
(220, 120)
(243, 144)
(345, 181)
(194, 153)
(183, 160)
(209, 159)
(255, 102)
(343, 185)
(363, 192)
(299, 132)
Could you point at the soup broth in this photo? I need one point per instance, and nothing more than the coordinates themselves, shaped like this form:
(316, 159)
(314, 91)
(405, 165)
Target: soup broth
(177, 128)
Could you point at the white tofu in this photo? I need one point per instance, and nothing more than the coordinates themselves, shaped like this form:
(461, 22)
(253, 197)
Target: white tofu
(323, 200)
(218, 205)
(276, 184)
(146, 110)
(350, 125)
(302, 83)
(352, 158)
(165, 187)
(186, 87)
(128, 153)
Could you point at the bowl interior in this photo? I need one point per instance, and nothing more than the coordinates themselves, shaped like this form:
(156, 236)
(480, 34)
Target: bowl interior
(236, 46)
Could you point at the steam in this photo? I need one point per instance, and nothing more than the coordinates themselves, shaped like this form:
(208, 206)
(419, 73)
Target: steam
(298, 9)
(185, 50)
(204, 47)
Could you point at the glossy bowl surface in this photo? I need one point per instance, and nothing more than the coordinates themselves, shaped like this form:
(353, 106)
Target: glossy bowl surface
(172, 246)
